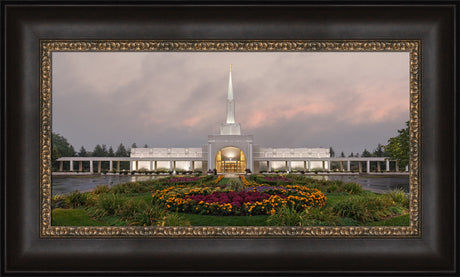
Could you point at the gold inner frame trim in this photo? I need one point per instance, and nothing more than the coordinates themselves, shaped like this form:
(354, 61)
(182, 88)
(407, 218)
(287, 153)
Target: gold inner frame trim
(413, 47)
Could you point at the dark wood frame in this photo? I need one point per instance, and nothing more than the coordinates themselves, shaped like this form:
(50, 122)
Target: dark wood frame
(28, 22)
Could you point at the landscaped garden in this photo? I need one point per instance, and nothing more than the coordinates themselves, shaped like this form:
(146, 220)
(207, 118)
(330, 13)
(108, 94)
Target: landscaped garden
(256, 200)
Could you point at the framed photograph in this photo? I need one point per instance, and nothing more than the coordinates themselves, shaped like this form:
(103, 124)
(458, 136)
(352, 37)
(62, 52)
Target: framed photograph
(259, 133)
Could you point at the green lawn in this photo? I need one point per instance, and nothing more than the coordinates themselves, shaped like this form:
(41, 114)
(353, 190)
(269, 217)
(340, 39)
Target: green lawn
(209, 220)
(402, 220)
(72, 217)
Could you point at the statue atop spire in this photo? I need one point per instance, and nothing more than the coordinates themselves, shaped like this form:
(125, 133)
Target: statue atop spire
(230, 127)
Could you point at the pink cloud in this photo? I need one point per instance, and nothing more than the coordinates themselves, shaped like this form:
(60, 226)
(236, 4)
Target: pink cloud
(271, 115)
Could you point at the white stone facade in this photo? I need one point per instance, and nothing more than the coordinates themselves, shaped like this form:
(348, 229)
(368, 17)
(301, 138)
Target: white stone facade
(211, 156)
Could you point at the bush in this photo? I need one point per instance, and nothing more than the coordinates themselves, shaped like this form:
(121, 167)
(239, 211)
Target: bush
(288, 216)
(353, 188)
(332, 188)
(131, 187)
(399, 196)
(366, 208)
(173, 219)
(101, 189)
(76, 199)
(58, 201)
(109, 203)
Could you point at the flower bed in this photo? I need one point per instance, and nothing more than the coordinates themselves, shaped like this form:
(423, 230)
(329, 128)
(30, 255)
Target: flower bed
(183, 179)
(255, 200)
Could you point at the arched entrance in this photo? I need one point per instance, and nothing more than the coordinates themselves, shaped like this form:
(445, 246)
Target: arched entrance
(230, 160)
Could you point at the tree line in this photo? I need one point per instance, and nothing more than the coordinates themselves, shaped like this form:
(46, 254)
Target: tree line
(62, 148)
(397, 148)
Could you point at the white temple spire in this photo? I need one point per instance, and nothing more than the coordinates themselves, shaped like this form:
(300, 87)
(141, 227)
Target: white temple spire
(230, 127)
(230, 102)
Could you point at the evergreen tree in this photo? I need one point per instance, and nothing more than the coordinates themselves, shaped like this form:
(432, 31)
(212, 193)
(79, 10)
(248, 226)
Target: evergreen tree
(111, 154)
(83, 152)
(105, 153)
(398, 147)
(98, 152)
(134, 145)
(379, 152)
(60, 148)
(146, 146)
(121, 151)
(342, 155)
(351, 154)
(331, 151)
(366, 153)
(357, 155)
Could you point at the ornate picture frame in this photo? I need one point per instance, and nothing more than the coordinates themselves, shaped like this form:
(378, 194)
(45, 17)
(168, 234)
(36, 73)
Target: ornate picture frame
(413, 47)
(31, 245)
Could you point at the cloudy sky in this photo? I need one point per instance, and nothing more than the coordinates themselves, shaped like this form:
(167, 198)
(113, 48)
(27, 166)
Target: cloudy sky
(349, 101)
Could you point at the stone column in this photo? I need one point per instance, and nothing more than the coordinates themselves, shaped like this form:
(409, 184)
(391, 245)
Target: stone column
(407, 168)
(251, 162)
(174, 164)
(309, 165)
(118, 165)
(137, 165)
(378, 166)
(210, 158)
(151, 166)
(397, 166)
(71, 165)
(387, 165)
(156, 165)
(286, 165)
(191, 165)
(60, 166)
(170, 165)
(348, 165)
(91, 168)
(323, 165)
(304, 165)
(368, 166)
(328, 163)
(80, 166)
(290, 167)
(99, 167)
(110, 165)
(341, 165)
(131, 166)
(269, 166)
(360, 167)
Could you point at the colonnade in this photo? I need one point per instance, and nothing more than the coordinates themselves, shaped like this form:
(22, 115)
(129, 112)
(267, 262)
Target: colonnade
(326, 163)
(133, 163)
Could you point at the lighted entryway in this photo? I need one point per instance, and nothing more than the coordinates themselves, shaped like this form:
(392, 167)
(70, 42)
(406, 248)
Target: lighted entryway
(230, 160)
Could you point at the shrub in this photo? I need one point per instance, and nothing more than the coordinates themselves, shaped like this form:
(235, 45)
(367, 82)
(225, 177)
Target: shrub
(101, 189)
(173, 219)
(109, 203)
(353, 188)
(399, 196)
(288, 216)
(130, 187)
(365, 208)
(58, 201)
(332, 188)
(76, 199)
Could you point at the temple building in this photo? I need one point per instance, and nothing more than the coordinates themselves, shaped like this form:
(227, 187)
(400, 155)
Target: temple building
(230, 151)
